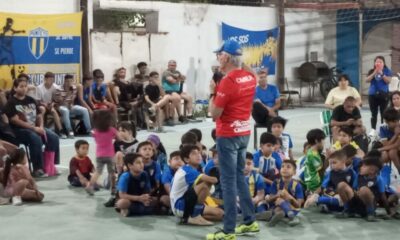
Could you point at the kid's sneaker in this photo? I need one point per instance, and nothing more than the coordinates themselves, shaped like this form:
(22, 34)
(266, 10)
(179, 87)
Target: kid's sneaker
(250, 229)
(17, 201)
(294, 222)
(276, 219)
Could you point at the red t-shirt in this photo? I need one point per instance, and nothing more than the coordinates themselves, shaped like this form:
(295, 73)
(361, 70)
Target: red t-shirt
(84, 165)
(235, 94)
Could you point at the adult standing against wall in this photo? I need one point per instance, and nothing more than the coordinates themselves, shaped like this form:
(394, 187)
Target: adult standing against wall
(230, 106)
(378, 92)
(266, 101)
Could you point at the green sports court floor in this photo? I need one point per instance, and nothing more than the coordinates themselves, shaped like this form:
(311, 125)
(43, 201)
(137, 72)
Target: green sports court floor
(69, 213)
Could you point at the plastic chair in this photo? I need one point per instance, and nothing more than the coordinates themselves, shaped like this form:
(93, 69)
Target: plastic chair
(289, 93)
(325, 118)
(257, 126)
(27, 156)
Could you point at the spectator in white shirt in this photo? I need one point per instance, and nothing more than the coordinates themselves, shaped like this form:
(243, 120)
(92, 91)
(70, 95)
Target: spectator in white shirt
(44, 94)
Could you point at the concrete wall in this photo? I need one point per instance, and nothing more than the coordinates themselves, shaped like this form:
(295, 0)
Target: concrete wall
(192, 31)
(39, 6)
(306, 32)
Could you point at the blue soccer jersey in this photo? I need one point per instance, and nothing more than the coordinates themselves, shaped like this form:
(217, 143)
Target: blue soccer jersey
(333, 178)
(287, 144)
(294, 188)
(167, 175)
(385, 133)
(154, 171)
(134, 185)
(255, 183)
(183, 180)
(375, 184)
(209, 165)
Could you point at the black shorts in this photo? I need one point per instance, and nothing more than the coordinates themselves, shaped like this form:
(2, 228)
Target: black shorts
(357, 206)
(74, 180)
(190, 198)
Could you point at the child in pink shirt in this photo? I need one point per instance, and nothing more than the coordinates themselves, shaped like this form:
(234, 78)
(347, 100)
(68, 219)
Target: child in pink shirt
(18, 180)
(104, 134)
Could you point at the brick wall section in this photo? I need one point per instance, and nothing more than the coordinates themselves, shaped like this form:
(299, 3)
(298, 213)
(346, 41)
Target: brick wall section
(396, 47)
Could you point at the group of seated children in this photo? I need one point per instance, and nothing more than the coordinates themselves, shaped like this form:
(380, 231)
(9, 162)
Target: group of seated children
(344, 179)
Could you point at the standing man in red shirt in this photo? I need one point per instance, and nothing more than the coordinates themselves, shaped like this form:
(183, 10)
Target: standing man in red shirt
(230, 106)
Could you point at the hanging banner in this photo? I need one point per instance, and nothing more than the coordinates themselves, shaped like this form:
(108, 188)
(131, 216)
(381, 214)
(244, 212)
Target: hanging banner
(259, 47)
(36, 44)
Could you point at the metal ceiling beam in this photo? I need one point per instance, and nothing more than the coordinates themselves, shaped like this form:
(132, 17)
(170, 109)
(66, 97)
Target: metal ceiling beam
(323, 6)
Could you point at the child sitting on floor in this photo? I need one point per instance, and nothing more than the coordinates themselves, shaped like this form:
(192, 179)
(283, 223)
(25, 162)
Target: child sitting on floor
(277, 127)
(338, 177)
(153, 169)
(160, 154)
(314, 165)
(301, 163)
(368, 190)
(286, 196)
(212, 170)
(126, 144)
(389, 137)
(134, 188)
(175, 162)
(344, 138)
(267, 163)
(189, 190)
(352, 161)
(80, 166)
(256, 184)
(18, 180)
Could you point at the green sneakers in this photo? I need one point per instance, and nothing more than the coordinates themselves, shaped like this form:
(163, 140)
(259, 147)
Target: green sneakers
(240, 230)
(220, 235)
(244, 229)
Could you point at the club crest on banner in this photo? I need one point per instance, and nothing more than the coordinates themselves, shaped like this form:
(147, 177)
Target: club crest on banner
(38, 41)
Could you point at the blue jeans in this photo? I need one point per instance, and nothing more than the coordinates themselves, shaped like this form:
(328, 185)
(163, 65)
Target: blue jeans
(232, 158)
(35, 143)
(75, 110)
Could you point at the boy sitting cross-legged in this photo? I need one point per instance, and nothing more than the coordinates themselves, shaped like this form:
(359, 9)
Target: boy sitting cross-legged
(189, 190)
(174, 163)
(314, 165)
(337, 178)
(80, 166)
(267, 161)
(369, 189)
(256, 184)
(345, 137)
(134, 188)
(286, 196)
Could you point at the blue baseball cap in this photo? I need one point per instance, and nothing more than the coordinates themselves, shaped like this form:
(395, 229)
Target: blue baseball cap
(231, 47)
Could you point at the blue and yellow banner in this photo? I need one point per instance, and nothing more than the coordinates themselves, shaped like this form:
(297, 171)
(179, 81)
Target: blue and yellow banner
(36, 44)
(259, 47)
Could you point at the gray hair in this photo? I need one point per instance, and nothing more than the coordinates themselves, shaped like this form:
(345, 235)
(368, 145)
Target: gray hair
(235, 60)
